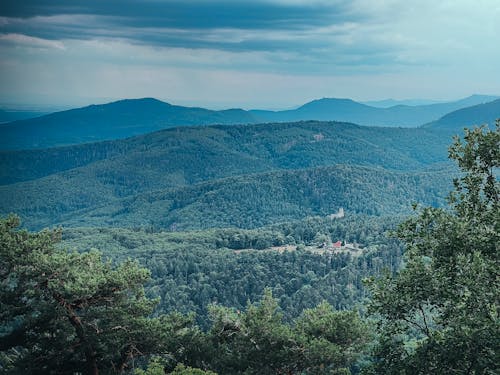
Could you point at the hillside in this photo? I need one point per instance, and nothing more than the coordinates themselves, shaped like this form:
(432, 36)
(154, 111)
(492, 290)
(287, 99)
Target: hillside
(115, 120)
(466, 117)
(188, 155)
(95, 180)
(244, 201)
(255, 200)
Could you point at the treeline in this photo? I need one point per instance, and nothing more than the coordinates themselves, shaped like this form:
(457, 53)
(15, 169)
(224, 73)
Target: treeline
(362, 229)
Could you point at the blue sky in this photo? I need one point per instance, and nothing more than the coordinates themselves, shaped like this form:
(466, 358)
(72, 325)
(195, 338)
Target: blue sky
(249, 54)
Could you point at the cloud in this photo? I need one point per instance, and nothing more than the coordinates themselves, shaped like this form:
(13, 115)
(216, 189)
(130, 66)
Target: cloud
(215, 48)
(189, 14)
(294, 31)
(30, 41)
(173, 23)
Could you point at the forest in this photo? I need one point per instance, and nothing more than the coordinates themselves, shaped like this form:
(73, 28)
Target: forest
(416, 293)
(173, 175)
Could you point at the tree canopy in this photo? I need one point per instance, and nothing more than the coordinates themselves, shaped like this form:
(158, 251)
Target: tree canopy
(439, 314)
(72, 312)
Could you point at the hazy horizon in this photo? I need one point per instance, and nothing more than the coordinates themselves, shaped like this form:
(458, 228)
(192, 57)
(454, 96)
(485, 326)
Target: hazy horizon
(101, 101)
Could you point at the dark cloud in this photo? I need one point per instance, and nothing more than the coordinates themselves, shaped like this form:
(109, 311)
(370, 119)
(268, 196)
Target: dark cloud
(189, 14)
(226, 25)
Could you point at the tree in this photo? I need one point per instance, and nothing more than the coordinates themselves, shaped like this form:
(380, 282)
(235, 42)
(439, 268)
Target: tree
(65, 312)
(332, 340)
(257, 341)
(439, 314)
(157, 366)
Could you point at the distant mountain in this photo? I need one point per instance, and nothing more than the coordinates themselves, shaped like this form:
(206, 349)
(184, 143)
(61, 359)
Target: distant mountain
(471, 100)
(115, 120)
(476, 115)
(7, 115)
(131, 117)
(362, 114)
(386, 103)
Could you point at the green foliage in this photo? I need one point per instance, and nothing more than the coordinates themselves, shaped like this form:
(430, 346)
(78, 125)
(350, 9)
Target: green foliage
(66, 311)
(256, 341)
(191, 270)
(180, 369)
(157, 366)
(334, 339)
(440, 313)
(248, 201)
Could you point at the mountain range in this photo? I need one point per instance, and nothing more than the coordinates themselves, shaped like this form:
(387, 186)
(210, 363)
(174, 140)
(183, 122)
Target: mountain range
(121, 119)
(132, 117)
(199, 176)
(386, 103)
(362, 114)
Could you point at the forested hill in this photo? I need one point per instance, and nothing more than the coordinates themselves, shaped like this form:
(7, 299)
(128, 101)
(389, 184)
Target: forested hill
(479, 114)
(180, 175)
(189, 155)
(126, 118)
(245, 201)
(233, 266)
(115, 120)
(188, 167)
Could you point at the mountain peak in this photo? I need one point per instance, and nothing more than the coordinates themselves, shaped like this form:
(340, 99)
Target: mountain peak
(331, 103)
(138, 101)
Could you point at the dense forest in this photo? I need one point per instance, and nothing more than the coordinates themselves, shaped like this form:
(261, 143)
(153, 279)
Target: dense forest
(371, 292)
(247, 201)
(295, 260)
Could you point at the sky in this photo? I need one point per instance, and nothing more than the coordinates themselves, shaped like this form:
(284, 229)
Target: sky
(269, 54)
